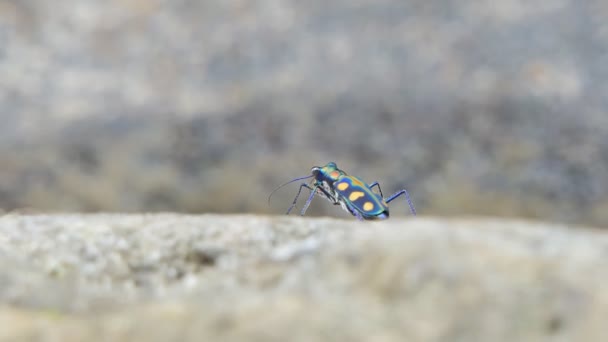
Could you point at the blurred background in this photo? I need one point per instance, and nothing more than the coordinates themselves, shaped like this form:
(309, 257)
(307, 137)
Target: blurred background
(476, 107)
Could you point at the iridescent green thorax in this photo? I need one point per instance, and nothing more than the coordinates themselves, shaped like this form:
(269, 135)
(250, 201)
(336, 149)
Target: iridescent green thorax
(329, 172)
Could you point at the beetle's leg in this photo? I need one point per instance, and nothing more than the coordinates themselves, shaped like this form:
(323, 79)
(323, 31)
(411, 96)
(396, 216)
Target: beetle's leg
(335, 201)
(295, 200)
(313, 192)
(378, 185)
(407, 197)
(356, 213)
(328, 195)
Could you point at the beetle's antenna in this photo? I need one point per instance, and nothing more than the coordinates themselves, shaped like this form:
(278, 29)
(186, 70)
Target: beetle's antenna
(282, 185)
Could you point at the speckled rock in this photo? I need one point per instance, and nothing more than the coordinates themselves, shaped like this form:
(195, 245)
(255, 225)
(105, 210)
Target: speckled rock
(211, 277)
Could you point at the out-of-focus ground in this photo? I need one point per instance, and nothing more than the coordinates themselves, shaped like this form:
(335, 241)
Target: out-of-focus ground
(258, 278)
(476, 107)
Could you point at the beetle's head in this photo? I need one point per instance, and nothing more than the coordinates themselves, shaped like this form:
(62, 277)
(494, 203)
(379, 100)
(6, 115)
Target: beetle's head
(328, 172)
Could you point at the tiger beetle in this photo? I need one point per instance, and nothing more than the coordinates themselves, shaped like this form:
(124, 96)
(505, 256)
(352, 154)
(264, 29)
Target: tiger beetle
(353, 194)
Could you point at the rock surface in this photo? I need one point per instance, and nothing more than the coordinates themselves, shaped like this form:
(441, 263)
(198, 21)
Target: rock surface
(167, 277)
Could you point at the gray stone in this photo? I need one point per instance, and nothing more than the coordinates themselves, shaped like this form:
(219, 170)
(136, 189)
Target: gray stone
(172, 277)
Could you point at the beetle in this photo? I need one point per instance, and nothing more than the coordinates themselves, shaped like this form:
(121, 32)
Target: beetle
(351, 193)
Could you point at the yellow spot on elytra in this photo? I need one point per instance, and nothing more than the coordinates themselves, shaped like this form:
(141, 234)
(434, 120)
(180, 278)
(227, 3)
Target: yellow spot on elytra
(334, 174)
(367, 206)
(342, 186)
(356, 194)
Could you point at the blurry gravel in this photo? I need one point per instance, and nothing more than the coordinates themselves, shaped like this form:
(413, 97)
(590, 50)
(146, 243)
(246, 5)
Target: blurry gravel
(167, 277)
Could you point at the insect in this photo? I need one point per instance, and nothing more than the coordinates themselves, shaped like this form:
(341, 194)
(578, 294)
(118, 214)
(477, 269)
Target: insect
(350, 192)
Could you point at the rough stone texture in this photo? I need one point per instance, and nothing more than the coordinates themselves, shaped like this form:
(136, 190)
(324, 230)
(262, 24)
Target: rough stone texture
(198, 106)
(170, 277)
